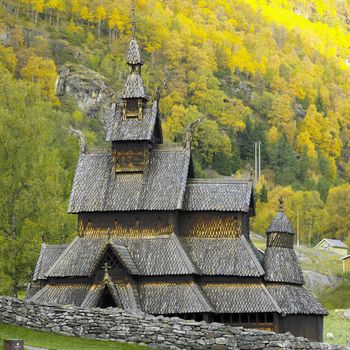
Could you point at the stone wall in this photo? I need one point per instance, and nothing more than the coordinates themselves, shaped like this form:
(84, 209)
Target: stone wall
(157, 332)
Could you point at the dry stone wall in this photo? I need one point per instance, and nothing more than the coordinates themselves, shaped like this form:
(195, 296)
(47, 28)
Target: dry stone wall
(156, 332)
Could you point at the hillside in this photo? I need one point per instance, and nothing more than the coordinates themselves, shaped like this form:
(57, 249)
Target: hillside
(270, 71)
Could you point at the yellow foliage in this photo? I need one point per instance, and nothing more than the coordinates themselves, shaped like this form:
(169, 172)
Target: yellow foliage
(43, 72)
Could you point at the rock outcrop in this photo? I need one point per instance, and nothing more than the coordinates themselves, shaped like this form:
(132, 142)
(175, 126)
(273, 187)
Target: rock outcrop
(88, 88)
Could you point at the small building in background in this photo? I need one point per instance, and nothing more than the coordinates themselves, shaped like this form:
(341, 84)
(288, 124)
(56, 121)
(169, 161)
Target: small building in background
(346, 263)
(334, 245)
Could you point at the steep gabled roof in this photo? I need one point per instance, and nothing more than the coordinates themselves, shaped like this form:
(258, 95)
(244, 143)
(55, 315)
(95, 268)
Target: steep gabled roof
(48, 255)
(282, 265)
(160, 187)
(280, 223)
(218, 195)
(79, 259)
(134, 54)
(134, 87)
(173, 298)
(240, 297)
(132, 129)
(223, 256)
(158, 256)
(336, 243)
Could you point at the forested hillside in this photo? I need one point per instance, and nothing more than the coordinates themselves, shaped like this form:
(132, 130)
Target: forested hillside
(273, 71)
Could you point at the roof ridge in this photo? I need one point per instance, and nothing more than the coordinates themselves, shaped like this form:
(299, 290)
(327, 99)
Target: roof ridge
(252, 255)
(274, 302)
(200, 181)
(114, 246)
(187, 260)
(99, 256)
(181, 199)
(40, 261)
(201, 296)
(64, 253)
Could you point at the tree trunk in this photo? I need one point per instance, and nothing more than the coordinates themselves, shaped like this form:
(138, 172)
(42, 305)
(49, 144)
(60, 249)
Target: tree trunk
(58, 20)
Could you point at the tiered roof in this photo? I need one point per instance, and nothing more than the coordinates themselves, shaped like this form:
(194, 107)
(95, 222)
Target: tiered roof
(169, 274)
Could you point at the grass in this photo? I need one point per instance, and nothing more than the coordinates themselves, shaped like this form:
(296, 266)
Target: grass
(58, 342)
(337, 324)
(337, 298)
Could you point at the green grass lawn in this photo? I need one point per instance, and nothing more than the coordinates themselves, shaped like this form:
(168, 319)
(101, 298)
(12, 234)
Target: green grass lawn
(337, 324)
(58, 342)
(337, 298)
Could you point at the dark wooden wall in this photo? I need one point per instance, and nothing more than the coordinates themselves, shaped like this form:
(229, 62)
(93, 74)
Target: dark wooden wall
(308, 326)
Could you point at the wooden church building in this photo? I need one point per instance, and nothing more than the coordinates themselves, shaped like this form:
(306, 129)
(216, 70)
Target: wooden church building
(152, 238)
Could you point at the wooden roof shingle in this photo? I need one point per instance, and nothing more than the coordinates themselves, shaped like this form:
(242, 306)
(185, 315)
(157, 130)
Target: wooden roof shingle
(281, 265)
(240, 297)
(131, 129)
(295, 300)
(280, 223)
(63, 294)
(48, 255)
(133, 55)
(161, 186)
(224, 256)
(157, 256)
(218, 195)
(173, 298)
(79, 259)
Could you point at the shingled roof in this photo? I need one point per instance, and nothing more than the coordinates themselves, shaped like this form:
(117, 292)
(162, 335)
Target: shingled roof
(281, 265)
(79, 259)
(224, 256)
(161, 186)
(48, 255)
(280, 223)
(240, 297)
(295, 300)
(133, 56)
(173, 298)
(156, 256)
(132, 129)
(218, 195)
(134, 87)
(63, 294)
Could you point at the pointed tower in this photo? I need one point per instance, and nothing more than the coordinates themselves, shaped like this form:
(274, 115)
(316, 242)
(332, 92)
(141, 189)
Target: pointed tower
(280, 261)
(135, 125)
(134, 94)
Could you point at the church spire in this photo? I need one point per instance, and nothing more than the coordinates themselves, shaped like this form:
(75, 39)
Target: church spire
(134, 94)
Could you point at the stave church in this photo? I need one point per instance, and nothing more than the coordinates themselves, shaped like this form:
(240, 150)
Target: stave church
(152, 238)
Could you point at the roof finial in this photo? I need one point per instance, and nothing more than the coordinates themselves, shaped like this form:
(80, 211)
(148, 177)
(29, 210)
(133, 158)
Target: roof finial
(281, 203)
(133, 20)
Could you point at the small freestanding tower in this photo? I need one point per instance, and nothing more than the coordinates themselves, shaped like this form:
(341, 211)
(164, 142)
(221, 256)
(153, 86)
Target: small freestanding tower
(152, 238)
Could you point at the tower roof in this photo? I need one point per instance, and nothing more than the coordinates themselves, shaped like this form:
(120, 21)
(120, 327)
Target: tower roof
(280, 222)
(133, 56)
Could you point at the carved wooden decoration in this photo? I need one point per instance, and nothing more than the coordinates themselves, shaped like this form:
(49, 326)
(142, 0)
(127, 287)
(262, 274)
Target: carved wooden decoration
(130, 157)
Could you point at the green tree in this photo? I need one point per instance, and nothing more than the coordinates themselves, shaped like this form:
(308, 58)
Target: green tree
(34, 178)
(283, 161)
(263, 194)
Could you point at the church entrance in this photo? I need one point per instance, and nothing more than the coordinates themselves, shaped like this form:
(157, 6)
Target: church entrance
(106, 299)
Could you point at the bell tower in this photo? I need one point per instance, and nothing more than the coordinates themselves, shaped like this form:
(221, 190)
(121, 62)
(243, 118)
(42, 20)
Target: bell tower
(134, 97)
